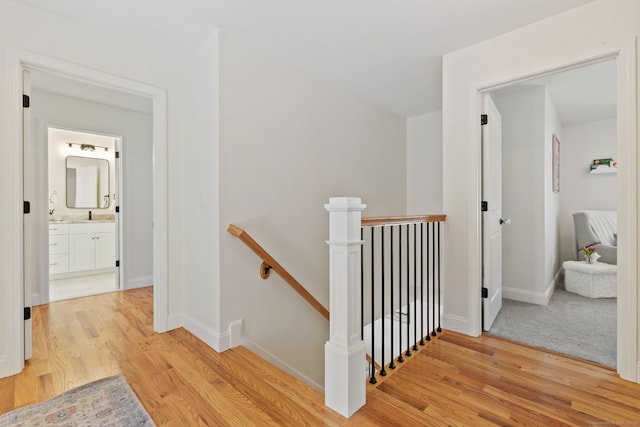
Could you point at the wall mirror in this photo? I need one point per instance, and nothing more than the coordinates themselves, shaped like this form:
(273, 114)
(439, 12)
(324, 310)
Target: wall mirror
(87, 182)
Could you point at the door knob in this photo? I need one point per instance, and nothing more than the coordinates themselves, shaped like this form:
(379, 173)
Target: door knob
(505, 221)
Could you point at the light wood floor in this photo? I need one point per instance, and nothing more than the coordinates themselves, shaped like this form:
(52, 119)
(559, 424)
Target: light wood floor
(454, 380)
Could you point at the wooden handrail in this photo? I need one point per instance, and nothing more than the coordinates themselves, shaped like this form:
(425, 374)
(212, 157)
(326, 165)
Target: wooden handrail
(270, 263)
(390, 220)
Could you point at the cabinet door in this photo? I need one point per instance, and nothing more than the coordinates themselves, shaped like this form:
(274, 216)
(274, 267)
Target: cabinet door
(105, 250)
(82, 252)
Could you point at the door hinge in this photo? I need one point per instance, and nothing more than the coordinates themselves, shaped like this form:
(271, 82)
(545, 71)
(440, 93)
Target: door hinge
(484, 206)
(27, 313)
(118, 263)
(26, 207)
(484, 119)
(25, 101)
(117, 154)
(485, 293)
(117, 209)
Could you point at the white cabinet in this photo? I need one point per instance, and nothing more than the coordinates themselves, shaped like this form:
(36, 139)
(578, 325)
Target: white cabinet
(58, 248)
(92, 246)
(105, 250)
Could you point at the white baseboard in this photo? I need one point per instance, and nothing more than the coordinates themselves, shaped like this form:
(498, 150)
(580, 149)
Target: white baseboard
(141, 282)
(530, 297)
(175, 321)
(274, 360)
(218, 341)
(458, 324)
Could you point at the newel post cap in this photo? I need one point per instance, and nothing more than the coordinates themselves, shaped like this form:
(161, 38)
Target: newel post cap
(345, 204)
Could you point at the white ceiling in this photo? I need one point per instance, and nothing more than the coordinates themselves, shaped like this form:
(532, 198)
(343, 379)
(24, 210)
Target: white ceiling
(48, 82)
(579, 95)
(386, 51)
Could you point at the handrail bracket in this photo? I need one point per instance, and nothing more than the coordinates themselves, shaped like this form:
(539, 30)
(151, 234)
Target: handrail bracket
(265, 269)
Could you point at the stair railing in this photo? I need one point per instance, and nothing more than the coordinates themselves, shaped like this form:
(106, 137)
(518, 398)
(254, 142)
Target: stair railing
(400, 286)
(356, 283)
(269, 263)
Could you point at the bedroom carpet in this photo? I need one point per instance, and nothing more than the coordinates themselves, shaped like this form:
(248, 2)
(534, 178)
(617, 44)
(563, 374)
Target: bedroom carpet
(571, 324)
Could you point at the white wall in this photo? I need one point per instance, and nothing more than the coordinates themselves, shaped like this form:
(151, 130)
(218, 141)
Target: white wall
(552, 265)
(288, 142)
(424, 164)
(523, 193)
(582, 143)
(594, 29)
(135, 128)
(198, 194)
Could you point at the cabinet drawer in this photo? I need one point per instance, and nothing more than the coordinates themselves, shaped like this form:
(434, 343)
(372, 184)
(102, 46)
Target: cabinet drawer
(58, 228)
(95, 227)
(58, 244)
(58, 263)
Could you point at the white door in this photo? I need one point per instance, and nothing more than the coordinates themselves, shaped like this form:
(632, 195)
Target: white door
(491, 216)
(29, 236)
(105, 250)
(116, 203)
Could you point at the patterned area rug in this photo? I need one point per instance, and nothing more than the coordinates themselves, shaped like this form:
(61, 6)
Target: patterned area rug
(106, 402)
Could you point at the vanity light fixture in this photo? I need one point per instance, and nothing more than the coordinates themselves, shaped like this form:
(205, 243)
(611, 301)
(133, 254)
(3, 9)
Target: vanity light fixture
(86, 147)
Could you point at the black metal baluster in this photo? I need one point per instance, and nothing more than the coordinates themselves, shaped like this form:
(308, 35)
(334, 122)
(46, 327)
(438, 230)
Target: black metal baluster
(400, 358)
(415, 288)
(428, 337)
(439, 295)
(373, 380)
(392, 365)
(408, 352)
(433, 278)
(422, 283)
(383, 371)
(362, 286)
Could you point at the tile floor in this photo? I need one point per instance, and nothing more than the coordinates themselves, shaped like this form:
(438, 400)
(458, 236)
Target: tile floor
(83, 286)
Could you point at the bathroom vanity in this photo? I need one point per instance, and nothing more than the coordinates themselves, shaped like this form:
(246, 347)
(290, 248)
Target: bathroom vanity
(81, 248)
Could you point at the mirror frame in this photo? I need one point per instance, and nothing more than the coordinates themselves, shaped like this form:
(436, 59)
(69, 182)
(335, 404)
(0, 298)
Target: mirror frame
(102, 197)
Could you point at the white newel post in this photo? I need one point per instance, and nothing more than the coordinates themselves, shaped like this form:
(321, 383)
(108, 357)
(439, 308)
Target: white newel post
(345, 353)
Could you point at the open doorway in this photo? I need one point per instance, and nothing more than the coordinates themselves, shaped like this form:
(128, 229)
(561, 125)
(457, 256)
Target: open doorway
(574, 110)
(93, 237)
(83, 220)
(19, 278)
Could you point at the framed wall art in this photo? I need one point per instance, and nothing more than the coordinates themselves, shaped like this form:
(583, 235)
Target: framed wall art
(555, 164)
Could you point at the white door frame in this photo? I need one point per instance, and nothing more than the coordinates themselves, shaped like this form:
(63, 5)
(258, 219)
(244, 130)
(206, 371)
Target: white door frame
(15, 61)
(627, 327)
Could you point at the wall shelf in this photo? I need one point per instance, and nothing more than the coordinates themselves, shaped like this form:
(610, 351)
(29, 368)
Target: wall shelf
(603, 169)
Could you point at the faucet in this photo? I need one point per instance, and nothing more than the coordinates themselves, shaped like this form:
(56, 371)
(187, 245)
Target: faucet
(89, 215)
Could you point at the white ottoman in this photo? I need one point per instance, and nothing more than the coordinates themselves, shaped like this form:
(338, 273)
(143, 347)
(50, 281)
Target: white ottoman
(591, 280)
